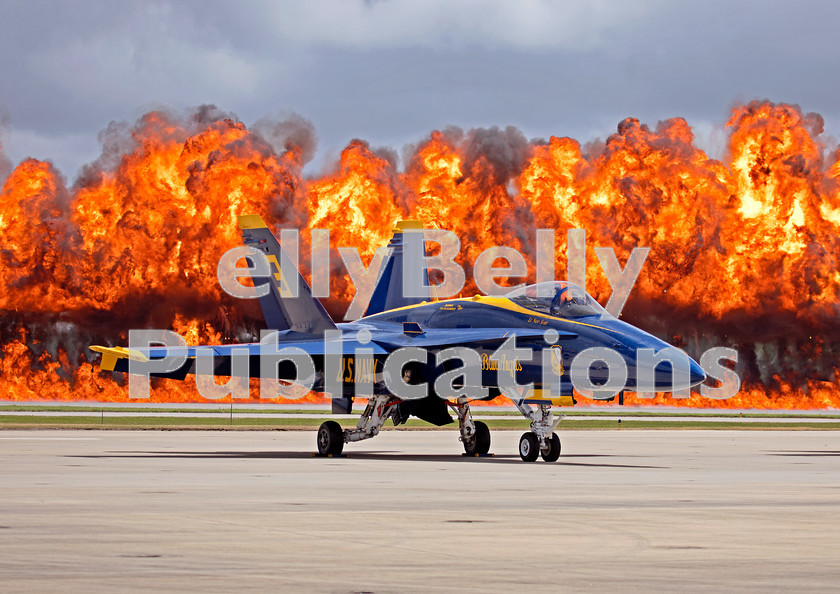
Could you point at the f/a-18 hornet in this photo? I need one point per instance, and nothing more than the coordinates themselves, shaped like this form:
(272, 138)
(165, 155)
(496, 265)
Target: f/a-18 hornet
(415, 356)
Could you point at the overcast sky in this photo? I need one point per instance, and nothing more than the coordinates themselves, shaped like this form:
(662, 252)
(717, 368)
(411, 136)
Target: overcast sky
(390, 71)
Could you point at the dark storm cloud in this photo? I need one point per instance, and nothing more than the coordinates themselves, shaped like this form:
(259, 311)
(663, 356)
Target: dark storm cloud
(5, 163)
(390, 71)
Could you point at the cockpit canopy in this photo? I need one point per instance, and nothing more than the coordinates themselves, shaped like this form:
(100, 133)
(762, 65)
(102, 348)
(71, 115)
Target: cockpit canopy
(561, 299)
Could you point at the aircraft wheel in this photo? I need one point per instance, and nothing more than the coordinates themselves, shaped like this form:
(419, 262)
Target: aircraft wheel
(330, 438)
(479, 443)
(552, 451)
(529, 447)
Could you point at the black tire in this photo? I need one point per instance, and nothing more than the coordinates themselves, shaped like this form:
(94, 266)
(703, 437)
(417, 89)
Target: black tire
(482, 438)
(553, 451)
(529, 447)
(330, 439)
(479, 444)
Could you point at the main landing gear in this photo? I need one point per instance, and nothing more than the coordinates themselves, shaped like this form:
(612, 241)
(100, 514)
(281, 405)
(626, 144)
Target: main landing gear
(475, 435)
(331, 438)
(541, 439)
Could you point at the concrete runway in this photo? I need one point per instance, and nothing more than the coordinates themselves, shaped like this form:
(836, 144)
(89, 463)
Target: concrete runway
(223, 511)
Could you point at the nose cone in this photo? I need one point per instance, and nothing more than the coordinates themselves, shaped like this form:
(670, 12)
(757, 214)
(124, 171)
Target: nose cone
(653, 364)
(681, 373)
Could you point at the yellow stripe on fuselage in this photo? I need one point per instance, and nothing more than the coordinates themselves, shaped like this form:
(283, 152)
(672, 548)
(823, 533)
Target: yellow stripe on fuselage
(501, 303)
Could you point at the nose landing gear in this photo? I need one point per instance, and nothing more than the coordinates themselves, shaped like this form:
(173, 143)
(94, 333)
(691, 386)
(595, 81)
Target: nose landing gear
(541, 439)
(530, 447)
(550, 449)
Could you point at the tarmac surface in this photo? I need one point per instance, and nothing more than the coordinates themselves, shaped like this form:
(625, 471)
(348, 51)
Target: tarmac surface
(218, 511)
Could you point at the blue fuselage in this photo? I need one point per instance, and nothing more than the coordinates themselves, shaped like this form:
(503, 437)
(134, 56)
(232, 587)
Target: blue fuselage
(484, 323)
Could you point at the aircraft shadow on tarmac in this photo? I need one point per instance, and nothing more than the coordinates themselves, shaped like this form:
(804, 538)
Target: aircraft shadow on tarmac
(393, 456)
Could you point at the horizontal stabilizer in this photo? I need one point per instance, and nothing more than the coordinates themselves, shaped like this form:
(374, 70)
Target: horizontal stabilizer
(110, 356)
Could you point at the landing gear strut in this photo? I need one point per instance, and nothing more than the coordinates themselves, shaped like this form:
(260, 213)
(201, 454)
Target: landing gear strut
(541, 440)
(475, 435)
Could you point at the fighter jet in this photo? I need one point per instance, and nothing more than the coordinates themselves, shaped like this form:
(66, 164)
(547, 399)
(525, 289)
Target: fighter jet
(417, 356)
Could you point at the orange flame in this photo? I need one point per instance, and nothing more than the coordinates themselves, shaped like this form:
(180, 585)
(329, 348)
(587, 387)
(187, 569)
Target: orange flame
(743, 251)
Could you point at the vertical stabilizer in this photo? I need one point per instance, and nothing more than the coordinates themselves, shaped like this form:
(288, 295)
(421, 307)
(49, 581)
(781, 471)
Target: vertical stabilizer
(389, 292)
(289, 303)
